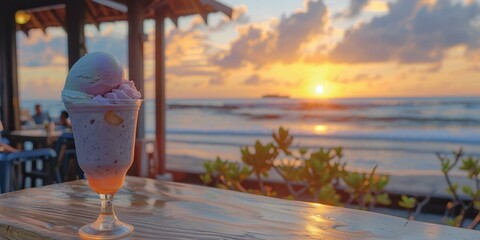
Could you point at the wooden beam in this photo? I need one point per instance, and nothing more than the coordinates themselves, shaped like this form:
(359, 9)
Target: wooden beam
(104, 11)
(45, 8)
(75, 16)
(160, 96)
(174, 19)
(156, 4)
(22, 28)
(135, 51)
(91, 12)
(218, 6)
(37, 23)
(201, 10)
(113, 4)
(10, 109)
(59, 19)
(136, 15)
(171, 5)
(28, 4)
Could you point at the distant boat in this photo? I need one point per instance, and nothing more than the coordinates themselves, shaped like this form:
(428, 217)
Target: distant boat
(275, 96)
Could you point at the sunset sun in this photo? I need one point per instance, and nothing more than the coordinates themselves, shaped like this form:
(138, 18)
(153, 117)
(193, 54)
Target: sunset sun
(319, 89)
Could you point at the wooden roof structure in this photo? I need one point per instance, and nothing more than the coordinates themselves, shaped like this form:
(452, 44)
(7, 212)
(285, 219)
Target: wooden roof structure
(98, 11)
(72, 15)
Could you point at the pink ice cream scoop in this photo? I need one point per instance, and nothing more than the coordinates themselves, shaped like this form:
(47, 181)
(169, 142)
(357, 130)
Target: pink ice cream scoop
(98, 76)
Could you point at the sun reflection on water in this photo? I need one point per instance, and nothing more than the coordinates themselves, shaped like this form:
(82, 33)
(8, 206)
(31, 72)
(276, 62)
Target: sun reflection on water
(320, 128)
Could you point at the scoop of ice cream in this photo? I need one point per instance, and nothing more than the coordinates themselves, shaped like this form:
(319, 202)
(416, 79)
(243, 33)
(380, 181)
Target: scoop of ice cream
(126, 90)
(95, 73)
(98, 76)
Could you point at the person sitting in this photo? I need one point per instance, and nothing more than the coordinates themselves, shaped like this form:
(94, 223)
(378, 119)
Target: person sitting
(64, 120)
(4, 147)
(40, 117)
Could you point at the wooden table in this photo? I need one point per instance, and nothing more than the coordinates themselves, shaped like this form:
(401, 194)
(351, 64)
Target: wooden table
(167, 210)
(38, 137)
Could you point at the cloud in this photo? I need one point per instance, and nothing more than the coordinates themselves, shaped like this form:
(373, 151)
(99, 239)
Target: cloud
(412, 32)
(239, 16)
(360, 77)
(474, 68)
(113, 44)
(255, 80)
(216, 80)
(354, 9)
(280, 43)
(40, 51)
(252, 80)
(41, 86)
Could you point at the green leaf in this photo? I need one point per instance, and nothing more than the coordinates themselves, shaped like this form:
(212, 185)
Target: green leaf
(450, 222)
(303, 150)
(383, 199)
(454, 186)
(471, 166)
(328, 195)
(476, 204)
(206, 178)
(468, 190)
(407, 202)
(283, 140)
(338, 152)
(445, 165)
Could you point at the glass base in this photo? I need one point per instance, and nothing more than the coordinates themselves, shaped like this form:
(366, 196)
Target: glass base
(104, 230)
(107, 225)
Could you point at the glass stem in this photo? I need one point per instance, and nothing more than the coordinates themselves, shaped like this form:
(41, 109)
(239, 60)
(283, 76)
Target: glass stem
(107, 219)
(107, 204)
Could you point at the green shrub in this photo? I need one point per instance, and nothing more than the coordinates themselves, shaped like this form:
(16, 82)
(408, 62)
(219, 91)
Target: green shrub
(471, 166)
(321, 172)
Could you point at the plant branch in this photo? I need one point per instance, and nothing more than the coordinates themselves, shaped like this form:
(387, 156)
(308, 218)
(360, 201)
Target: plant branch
(474, 222)
(422, 204)
(447, 177)
(302, 190)
(240, 187)
(287, 182)
(260, 183)
(477, 183)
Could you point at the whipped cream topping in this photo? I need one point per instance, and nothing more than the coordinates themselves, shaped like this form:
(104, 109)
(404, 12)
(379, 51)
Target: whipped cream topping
(126, 90)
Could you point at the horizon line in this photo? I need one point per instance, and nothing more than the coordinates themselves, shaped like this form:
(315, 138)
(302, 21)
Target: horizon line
(292, 98)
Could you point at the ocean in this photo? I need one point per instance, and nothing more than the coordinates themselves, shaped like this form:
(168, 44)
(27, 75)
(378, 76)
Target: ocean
(400, 135)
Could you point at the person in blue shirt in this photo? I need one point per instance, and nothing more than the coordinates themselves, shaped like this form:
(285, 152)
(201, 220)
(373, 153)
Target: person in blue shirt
(40, 117)
(4, 147)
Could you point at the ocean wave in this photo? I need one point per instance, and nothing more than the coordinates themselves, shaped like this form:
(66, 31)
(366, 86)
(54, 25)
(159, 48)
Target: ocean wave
(435, 112)
(401, 135)
(328, 104)
(469, 121)
(310, 146)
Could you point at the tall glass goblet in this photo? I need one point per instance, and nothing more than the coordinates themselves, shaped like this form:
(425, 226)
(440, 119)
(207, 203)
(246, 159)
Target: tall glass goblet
(104, 136)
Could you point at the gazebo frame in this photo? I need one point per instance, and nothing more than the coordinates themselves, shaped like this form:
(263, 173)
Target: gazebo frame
(72, 15)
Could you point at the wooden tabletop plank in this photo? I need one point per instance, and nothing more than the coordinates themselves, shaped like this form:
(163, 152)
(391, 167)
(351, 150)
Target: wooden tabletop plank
(167, 210)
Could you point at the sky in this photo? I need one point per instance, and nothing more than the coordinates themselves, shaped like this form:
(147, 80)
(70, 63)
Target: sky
(351, 48)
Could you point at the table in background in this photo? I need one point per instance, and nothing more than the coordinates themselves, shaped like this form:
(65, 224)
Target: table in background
(39, 137)
(167, 210)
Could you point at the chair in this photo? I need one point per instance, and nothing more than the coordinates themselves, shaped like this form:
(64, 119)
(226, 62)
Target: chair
(5, 170)
(68, 168)
(41, 164)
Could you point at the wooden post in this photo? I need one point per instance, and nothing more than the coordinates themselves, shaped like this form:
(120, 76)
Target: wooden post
(136, 15)
(160, 97)
(10, 114)
(75, 17)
